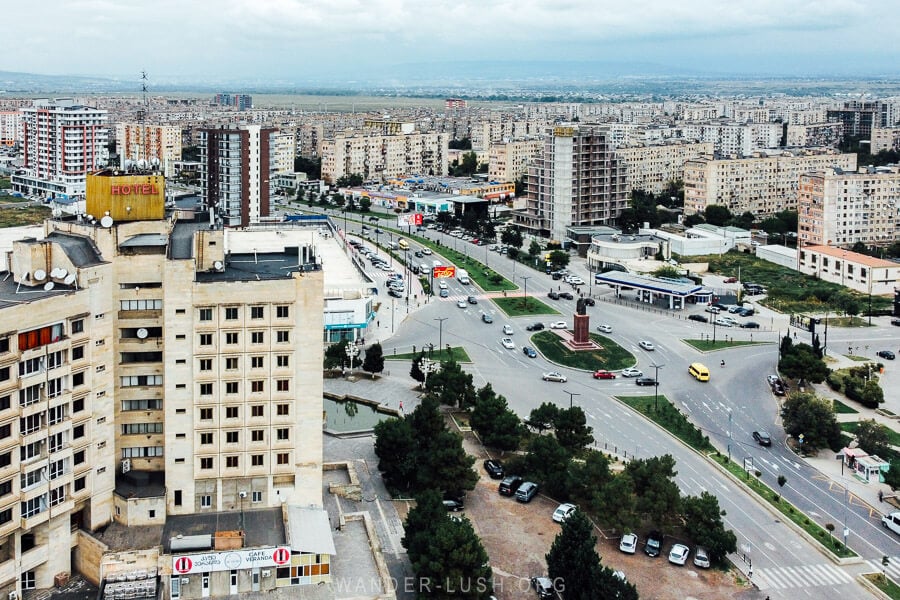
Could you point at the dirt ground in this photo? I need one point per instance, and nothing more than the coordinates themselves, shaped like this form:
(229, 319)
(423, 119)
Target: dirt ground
(518, 536)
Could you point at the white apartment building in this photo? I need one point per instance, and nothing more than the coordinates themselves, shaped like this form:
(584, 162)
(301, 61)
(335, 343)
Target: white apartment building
(840, 208)
(860, 272)
(885, 138)
(63, 142)
(508, 160)
(284, 150)
(763, 184)
(735, 139)
(146, 371)
(821, 135)
(10, 127)
(485, 133)
(380, 157)
(154, 145)
(652, 167)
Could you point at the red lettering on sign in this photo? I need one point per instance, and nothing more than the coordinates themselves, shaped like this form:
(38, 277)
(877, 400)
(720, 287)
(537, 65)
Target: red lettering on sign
(145, 189)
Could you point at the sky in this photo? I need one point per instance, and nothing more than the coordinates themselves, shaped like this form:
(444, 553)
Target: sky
(296, 40)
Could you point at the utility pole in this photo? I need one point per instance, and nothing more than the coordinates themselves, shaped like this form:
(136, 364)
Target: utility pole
(571, 397)
(525, 278)
(440, 321)
(656, 386)
(729, 435)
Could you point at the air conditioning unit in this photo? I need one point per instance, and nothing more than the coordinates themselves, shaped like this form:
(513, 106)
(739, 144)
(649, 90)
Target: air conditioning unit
(266, 573)
(126, 465)
(13, 595)
(185, 580)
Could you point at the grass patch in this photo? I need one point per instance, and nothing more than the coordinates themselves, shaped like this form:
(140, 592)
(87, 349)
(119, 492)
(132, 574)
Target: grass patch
(818, 532)
(458, 353)
(857, 358)
(28, 214)
(516, 307)
(709, 345)
(664, 414)
(485, 277)
(842, 409)
(893, 437)
(611, 357)
(884, 584)
(849, 322)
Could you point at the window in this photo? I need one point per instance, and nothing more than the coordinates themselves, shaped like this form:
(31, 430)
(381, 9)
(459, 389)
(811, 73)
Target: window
(206, 389)
(30, 424)
(140, 304)
(206, 414)
(6, 430)
(206, 364)
(206, 339)
(58, 468)
(30, 451)
(5, 516)
(78, 405)
(283, 434)
(282, 312)
(206, 438)
(257, 312)
(231, 437)
(257, 460)
(78, 352)
(80, 484)
(141, 380)
(57, 414)
(55, 387)
(258, 435)
(205, 501)
(78, 432)
(284, 360)
(206, 462)
(231, 462)
(177, 500)
(4, 344)
(78, 326)
(231, 313)
(28, 577)
(257, 385)
(206, 314)
(231, 412)
(142, 452)
(256, 337)
(256, 497)
(5, 402)
(231, 387)
(138, 428)
(283, 385)
(27, 367)
(283, 458)
(40, 337)
(283, 336)
(256, 362)
(30, 395)
(283, 410)
(231, 338)
(78, 378)
(148, 404)
(31, 478)
(78, 457)
(257, 410)
(57, 442)
(6, 459)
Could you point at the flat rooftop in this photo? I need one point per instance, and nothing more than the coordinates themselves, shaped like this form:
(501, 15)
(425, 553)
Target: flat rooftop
(262, 527)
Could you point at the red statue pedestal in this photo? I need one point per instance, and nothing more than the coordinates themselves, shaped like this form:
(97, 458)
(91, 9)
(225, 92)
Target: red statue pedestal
(582, 328)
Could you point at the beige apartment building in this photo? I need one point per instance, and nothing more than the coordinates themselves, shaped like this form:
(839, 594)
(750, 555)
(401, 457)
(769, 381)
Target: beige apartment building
(653, 167)
(841, 208)
(158, 145)
(814, 135)
(763, 184)
(885, 138)
(508, 160)
(146, 372)
(381, 156)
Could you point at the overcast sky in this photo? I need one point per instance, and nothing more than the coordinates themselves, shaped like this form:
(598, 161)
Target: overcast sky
(294, 39)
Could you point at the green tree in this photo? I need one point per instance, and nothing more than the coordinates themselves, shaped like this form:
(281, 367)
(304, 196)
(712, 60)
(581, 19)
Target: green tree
(559, 259)
(534, 249)
(801, 362)
(421, 523)
(873, 437)
(892, 477)
(311, 166)
(374, 360)
(805, 413)
(415, 371)
(693, 219)
(512, 236)
(547, 461)
(744, 220)
(336, 355)
(454, 564)
(716, 214)
(395, 447)
(445, 465)
(703, 519)
(300, 193)
(572, 430)
(658, 496)
(352, 180)
(364, 204)
(587, 476)
(452, 386)
(543, 417)
(461, 144)
(498, 426)
(573, 563)
(872, 394)
(667, 271)
(614, 504)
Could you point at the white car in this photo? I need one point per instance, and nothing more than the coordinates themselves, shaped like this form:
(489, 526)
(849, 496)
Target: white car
(508, 343)
(721, 322)
(443, 285)
(575, 280)
(426, 250)
(462, 303)
(604, 328)
(563, 512)
(507, 330)
(701, 558)
(632, 372)
(558, 325)
(646, 345)
(678, 555)
(554, 376)
(629, 543)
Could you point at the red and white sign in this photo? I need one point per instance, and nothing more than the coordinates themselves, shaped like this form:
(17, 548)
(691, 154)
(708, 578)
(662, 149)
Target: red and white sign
(444, 272)
(231, 560)
(409, 219)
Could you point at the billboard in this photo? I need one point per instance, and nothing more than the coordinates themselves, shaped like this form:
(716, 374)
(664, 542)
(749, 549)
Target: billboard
(230, 560)
(444, 272)
(409, 219)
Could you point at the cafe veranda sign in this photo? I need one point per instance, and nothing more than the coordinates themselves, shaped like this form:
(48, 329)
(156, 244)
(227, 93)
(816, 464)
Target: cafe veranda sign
(231, 561)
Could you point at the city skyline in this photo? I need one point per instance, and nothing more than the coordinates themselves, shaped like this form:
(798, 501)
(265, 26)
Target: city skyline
(297, 41)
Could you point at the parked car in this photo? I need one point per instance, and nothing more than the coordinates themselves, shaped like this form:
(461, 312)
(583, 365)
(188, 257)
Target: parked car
(472, 300)
(679, 553)
(603, 374)
(712, 310)
(734, 309)
(508, 343)
(699, 318)
(645, 381)
(543, 586)
(395, 293)
(746, 312)
(589, 302)
(444, 294)
(632, 372)
(566, 296)
(895, 322)
(762, 438)
(653, 545)
(535, 327)
(563, 512)
(487, 318)
(509, 485)
(722, 322)
(891, 521)
(646, 345)
(885, 354)
(629, 543)
(554, 376)
(750, 325)
(558, 325)
(604, 328)
(453, 505)
(426, 251)
(731, 280)
(529, 352)
(526, 492)
(494, 468)
(553, 295)
(461, 303)
(701, 558)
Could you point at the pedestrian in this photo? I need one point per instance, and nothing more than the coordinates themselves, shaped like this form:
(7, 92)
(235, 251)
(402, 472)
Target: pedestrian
(750, 572)
(378, 323)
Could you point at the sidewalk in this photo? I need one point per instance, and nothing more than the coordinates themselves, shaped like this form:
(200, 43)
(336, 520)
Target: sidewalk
(394, 390)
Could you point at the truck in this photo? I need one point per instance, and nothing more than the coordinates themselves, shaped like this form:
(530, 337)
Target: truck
(462, 276)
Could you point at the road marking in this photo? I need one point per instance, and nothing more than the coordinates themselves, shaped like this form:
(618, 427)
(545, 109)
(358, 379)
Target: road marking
(801, 576)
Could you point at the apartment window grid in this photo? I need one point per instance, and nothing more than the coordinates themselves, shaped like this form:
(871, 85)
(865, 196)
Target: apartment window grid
(142, 452)
(141, 380)
(141, 428)
(128, 305)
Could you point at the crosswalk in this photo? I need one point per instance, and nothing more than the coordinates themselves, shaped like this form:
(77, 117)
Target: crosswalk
(892, 570)
(800, 576)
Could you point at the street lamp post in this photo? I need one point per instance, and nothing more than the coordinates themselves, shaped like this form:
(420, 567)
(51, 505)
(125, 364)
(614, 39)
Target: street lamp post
(656, 386)
(440, 321)
(352, 352)
(729, 435)
(571, 397)
(525, 278)
(428, 366)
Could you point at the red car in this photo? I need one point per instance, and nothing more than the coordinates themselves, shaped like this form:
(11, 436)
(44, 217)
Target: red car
(601, 374)
(731, 280)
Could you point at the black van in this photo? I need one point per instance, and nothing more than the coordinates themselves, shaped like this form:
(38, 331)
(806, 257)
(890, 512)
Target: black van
(510, 485)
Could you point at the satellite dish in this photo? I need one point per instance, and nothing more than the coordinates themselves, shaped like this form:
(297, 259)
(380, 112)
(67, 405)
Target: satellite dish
(70, 279)
(53, 272)
(218, 265)
(26, 276)
(89, 217)
(142, 333)
(40, 275)
(106, 221)
(61, 273)
(48, 286)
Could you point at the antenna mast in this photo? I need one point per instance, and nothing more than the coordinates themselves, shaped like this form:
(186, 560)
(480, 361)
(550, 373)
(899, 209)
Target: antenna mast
(142, 118)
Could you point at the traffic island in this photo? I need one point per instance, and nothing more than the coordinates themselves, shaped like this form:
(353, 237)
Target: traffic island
(605, 353)
(517, 306)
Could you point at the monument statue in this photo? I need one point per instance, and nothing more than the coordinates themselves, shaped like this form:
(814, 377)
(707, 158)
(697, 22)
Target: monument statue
(581, 307)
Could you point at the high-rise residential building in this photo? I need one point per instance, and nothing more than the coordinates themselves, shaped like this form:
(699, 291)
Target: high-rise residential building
(576, 180)
(763, 184)
(239, 101)
(859, 117)
(508, 160)
(147, 373)
(735, 139)
(821, 135)
(10, 127)
(152, 145)
(652, 167)
(235, 169)
(380, 156)
(841, 208)
(885, 138)
(63, 142)
(284, 151)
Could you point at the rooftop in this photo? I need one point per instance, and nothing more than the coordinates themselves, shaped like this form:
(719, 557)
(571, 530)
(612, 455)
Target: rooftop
(261, 527)
(656, 284)
(854, 257)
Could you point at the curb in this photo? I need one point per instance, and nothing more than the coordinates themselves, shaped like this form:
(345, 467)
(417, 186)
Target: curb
(871, 587)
